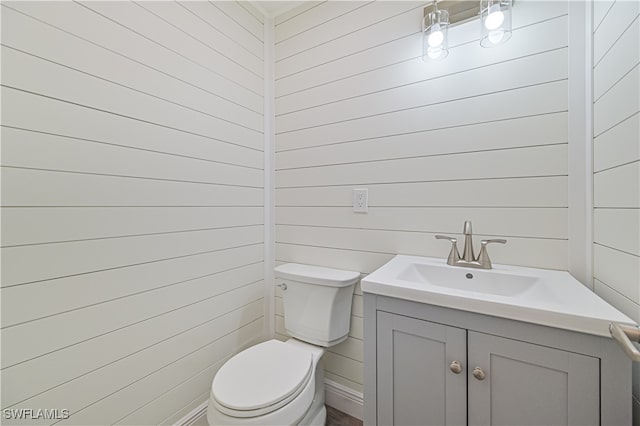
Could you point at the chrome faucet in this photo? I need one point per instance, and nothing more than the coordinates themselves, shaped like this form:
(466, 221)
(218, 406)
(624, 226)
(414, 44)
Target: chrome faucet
(468, 259)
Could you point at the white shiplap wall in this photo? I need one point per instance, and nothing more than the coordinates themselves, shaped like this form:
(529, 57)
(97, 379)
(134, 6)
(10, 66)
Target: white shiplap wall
(480, 136)
(132, 193)
(616, 159)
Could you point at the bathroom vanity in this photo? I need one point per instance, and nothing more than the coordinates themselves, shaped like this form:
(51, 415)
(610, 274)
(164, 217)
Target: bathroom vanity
(509, 346)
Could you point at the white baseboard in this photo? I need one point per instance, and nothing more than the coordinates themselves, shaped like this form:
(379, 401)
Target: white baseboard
(194, 415)
(336, 395)
(343, 398)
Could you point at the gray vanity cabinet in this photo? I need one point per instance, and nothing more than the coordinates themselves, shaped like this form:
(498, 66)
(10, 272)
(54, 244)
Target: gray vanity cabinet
(415, 384)
(528, 384)
(527, 374)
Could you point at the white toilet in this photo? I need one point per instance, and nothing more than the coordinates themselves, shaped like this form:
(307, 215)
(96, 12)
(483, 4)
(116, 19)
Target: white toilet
(282, 383)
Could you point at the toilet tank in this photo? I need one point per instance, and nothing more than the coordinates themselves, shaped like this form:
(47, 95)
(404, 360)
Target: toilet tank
(316, 302)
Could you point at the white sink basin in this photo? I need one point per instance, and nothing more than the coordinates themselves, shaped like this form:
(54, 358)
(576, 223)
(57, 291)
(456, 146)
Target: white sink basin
(468, 280)
(539, 296)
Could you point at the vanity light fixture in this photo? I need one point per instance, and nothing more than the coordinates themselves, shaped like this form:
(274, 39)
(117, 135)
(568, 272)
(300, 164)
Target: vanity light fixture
(435, 28)
(495, 23)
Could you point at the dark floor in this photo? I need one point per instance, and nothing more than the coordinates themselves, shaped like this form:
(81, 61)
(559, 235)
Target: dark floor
(338, 418)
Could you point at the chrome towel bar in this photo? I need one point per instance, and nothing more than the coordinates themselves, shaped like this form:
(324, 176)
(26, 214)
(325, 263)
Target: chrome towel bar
(624, 335)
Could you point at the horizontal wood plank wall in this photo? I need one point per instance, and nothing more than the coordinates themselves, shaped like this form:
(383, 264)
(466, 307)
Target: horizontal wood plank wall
(132, 203)
(616, 160)
(480, 136)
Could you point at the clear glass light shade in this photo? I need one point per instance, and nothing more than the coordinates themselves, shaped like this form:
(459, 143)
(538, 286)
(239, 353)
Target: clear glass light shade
(495, 22)
(435, 28)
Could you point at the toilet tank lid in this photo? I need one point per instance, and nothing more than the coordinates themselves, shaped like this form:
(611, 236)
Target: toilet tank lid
(316, 275)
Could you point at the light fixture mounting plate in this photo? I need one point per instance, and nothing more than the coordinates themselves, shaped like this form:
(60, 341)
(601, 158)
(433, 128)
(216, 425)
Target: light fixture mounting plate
(459, 11)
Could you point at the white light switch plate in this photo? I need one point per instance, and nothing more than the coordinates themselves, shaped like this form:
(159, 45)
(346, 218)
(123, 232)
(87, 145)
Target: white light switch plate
(360, 200)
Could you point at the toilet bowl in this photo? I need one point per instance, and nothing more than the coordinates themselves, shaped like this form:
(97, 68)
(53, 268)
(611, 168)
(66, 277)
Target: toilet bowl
(282, 383)
(272, 383)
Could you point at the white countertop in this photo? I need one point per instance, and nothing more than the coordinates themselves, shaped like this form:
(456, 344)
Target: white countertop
(538, 296)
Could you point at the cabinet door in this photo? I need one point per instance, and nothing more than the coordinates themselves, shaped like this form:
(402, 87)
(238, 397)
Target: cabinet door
(527, 384)
(416, 385)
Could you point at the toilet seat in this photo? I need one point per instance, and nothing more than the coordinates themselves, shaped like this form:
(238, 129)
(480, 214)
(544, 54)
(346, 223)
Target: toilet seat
(261, 379)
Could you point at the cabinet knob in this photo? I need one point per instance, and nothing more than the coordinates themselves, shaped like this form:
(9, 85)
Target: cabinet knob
(455, 367)
(478, 373)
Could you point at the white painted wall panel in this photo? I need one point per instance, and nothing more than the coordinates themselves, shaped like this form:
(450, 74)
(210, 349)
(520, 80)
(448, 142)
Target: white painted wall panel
(118, 314)
(620, 59)
(132, 202)
(541, 222)
(616, 159)
(617, 146)
(394, 40)
(509, 192)
(40, 300)
(345, 44)
(323, 13)
(61, 188)
(242, 17)
(82, 257)
(409, 68)
(618, 187)
(205, 34)
(609, 232)
(535, 161)
(76, 326)
(435, 144)
(32, 150)
(136, 338)
(354, 17)
(226, 26)
(140, 21)
(253, 11)
(492, 135)
(24, 72)
(50, 225)
(620, 270)
(83, 55)
(79, 393)
(434, 91)
(125, 403)
(103, 34)
(295, 11)
(600, 10)
(539, 252)
(618, 18)
(75, 121)
(539, 99)
(618, 104)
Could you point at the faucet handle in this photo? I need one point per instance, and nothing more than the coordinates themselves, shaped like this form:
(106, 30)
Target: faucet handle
(497, 240)
(483, 257)
(454, 255)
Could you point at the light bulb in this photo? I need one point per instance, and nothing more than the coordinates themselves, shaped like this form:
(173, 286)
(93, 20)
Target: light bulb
(436, 37)
(496, 36)
(494, 18)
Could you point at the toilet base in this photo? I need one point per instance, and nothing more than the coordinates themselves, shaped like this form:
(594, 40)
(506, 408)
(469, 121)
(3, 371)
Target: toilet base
(317, 413)
(318, 420)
